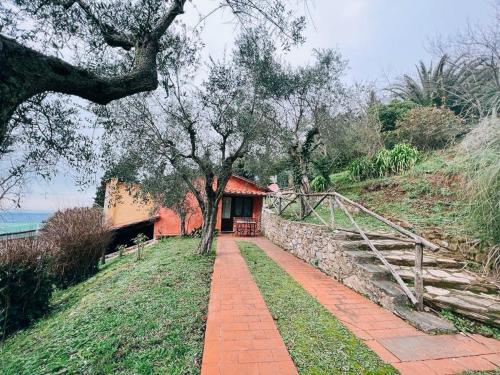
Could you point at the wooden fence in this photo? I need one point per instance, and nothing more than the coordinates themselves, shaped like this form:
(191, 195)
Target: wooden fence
(309, 203)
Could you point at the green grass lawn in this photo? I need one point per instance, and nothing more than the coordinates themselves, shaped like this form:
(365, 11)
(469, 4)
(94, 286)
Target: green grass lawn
(316, 340)
(133, 317)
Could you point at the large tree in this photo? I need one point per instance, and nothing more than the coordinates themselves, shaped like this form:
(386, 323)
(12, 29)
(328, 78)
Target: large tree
(195, 132)
(31, 59)
(99, 50)
(302, 99)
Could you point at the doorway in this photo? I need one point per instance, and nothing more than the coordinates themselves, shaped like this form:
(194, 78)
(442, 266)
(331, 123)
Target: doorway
(235, 207)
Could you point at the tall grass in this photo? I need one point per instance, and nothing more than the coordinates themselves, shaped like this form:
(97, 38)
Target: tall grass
(483, 189)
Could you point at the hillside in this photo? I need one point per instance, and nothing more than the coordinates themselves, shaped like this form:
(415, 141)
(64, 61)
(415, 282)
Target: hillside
(428, 199)
(139, 317)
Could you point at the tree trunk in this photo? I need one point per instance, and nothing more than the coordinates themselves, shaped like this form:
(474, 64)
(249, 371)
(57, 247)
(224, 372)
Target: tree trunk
(182, 217)
(208, 228)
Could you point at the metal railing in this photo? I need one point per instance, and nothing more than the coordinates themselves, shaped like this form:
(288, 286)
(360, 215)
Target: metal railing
(18, 235)
(280, 201)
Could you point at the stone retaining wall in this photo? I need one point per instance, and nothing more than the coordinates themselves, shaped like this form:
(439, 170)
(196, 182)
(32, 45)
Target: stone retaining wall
(318, 246)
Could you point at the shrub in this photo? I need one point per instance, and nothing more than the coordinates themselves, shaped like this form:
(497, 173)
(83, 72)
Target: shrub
(403, 157)
(25, 283)
(389, 114)
(78, 237)
(319, 183)
(398, 160)
(429, 128)
(362, 169)
(349, 137)
(140, 241)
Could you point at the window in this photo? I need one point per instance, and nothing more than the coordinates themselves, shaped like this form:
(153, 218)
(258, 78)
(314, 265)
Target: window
(242, 206)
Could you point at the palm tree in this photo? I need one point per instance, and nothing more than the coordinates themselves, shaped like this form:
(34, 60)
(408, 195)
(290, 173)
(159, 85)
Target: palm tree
(431, 88)
(468, 87)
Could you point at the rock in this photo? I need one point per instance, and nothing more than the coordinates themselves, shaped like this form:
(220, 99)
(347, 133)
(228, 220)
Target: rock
(425, 321)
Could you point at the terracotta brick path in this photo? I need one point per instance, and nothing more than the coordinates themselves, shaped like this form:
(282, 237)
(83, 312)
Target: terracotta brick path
(394, 340)
(241, 337)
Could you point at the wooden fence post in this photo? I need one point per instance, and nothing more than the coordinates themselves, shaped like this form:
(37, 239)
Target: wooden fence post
(419, 280)
(302, 207)
(332, 211)
(279, 206)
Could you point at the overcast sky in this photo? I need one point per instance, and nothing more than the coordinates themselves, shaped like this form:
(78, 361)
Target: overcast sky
(381, 39)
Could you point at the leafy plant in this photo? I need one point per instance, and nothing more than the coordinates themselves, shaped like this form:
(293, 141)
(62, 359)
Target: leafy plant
(139, 241)
(319, 183)
(470, 326)
(398, 160)
(403, 157)
(120, 249)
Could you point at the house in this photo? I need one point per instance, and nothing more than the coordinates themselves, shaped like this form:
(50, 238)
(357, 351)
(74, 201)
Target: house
(126, 214)
(241, 198)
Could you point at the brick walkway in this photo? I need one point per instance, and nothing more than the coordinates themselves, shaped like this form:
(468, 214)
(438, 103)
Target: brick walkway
(394, 340)
(241, 337)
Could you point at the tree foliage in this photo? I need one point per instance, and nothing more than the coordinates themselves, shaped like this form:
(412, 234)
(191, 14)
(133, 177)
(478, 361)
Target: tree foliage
(195, 132)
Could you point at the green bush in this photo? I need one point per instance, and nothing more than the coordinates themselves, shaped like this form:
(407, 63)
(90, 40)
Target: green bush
(78, 238)
(389, 114)
(398, 160)
(429, 128)
(362, 169)
(25, 283)
(319, 183)
(403, 157)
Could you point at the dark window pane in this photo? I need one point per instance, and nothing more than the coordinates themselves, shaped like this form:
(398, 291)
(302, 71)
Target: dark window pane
(247, 207)
(238, 206)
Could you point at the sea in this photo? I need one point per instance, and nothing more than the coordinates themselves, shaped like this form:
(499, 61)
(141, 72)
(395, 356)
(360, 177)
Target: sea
(19, 221)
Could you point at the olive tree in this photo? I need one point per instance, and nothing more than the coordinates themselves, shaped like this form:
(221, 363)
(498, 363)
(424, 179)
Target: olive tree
(195, 131)
(301, 103)
(99, 51)
(114, 45)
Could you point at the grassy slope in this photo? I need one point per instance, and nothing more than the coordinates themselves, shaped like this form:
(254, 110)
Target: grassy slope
(426, 199)
(316, 340)
(132, 317)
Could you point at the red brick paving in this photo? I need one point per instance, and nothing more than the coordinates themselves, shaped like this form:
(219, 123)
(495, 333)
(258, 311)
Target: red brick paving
(241, 337)
(394, 340)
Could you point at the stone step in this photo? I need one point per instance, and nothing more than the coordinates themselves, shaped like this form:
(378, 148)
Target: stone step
(477, 306)
(341, 235)
(449, 278)
(375, 272)
(403, 258)
(379, 244)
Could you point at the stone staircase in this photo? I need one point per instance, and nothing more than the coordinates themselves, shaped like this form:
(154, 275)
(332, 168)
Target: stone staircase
(447, 284)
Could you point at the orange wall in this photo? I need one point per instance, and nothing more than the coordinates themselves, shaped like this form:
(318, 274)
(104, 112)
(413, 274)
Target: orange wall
(120, 206)
(168, 222)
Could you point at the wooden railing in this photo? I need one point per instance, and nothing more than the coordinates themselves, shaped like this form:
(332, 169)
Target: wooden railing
(309, 203)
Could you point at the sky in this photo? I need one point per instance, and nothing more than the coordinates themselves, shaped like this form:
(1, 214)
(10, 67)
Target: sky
(381, 39)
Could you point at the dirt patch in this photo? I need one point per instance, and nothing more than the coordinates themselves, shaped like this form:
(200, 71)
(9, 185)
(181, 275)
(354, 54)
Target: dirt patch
(446, 179)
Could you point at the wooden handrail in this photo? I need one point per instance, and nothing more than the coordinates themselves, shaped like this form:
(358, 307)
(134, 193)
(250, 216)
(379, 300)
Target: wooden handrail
(398, 278)
(420, 242)
(415, 237)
